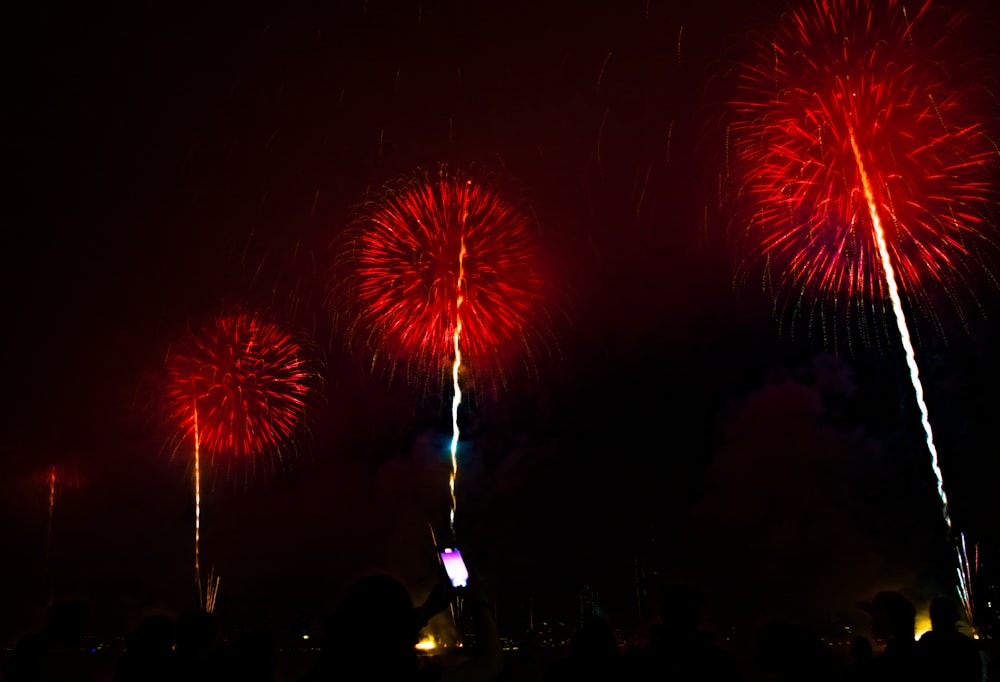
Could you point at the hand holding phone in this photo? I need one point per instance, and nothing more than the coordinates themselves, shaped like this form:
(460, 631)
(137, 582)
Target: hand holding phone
(454, 566)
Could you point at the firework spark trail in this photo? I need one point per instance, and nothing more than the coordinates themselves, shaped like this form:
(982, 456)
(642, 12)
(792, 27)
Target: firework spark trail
(456, 387)
(52, 507)
(55, 478)
(213, 591)
(904, 332)
(48, 533)
(911, 363)
(205, 599)
(965, 579)
(197, 497)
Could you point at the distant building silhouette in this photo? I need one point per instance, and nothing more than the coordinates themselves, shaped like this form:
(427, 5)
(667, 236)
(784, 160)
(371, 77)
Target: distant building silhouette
(590, 603)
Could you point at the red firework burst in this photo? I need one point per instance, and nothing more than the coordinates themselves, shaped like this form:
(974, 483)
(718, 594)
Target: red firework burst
(431, 251)
(849, 85)
(243, 385)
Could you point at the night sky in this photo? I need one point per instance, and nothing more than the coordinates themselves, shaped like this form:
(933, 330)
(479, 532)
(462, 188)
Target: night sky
(167, 162)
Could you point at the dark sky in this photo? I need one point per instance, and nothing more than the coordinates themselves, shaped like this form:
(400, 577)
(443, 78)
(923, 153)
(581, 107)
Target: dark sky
(168, 162)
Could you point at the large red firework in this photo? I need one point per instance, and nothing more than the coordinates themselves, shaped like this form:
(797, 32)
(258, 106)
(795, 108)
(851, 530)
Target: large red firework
(242, 386)
(848, 87)
(433, 249)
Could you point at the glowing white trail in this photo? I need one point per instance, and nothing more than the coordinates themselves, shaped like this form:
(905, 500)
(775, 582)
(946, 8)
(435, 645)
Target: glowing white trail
(457, 389)
(897, 308)
(965, 576)
(904, 332)
(197, 502)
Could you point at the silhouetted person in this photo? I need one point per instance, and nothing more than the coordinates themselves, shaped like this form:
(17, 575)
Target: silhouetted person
(56, 653)
(793, 654)
(373, 633)
(945, 654)
(893, 622)
(252, 658)
(678, 651)
(149, 652)
(593, 654)
(199, 654)
(861, 649)
(633, 663)
(860, 667)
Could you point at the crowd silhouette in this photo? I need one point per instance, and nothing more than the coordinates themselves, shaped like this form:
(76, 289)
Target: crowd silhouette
(373, 631)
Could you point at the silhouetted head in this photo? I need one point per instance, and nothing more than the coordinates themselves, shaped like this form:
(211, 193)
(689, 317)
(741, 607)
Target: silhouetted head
(154, 634)
(375, 623)
(197, 634)
(893, 616)
(594, 641)
(944, 613)
(861, 648)
(253, 656)
(791, 652)
(680, 606)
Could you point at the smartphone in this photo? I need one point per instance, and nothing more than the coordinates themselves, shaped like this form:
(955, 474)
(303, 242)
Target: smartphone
(454, 566)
